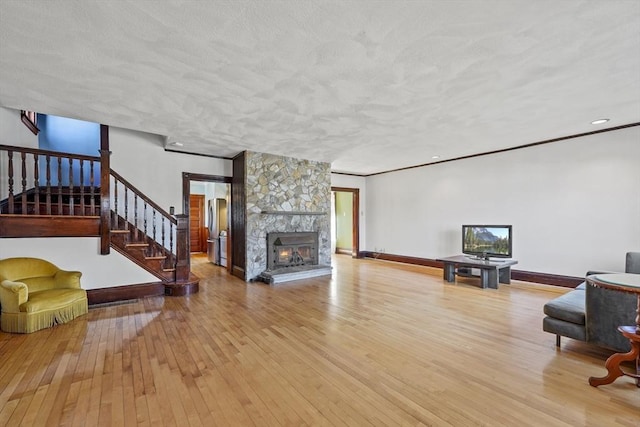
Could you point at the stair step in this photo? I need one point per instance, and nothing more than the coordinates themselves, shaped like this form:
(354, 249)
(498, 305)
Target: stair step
(136, 245)
(156, 257)
(119, 231)
(167, 270)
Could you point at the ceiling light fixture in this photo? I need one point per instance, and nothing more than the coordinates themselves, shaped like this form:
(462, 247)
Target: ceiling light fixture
(435, 157)
(599, 121)
(177, 144)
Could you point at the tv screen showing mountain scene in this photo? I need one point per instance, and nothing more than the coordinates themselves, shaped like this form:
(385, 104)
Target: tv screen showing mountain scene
(490, 240)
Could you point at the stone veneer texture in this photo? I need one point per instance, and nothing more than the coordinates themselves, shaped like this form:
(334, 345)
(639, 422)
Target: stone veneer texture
(277, 183)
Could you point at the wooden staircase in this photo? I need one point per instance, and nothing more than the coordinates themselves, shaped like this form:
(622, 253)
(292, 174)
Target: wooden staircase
(78, 197)
(141, 249)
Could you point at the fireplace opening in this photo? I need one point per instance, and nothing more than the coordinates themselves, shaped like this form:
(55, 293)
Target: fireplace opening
(291, 249)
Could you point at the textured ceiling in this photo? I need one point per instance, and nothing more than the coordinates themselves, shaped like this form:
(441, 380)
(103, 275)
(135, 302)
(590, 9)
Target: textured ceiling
(366, 85)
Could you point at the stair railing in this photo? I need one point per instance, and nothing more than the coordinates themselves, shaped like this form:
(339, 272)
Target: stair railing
(42, 182)
(134, 211)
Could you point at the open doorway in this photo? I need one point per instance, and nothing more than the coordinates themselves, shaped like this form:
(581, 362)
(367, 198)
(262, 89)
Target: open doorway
(345, 224)
(207, 199)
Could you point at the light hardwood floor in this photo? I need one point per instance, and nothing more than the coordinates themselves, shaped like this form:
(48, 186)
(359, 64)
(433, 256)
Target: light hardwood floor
(377, 343)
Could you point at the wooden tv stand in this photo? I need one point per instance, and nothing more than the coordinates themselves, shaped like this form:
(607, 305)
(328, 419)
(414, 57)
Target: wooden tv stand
(491, 271)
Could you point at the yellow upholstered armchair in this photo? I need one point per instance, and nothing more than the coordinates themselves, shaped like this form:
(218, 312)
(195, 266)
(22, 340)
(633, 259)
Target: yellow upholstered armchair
(35, 294)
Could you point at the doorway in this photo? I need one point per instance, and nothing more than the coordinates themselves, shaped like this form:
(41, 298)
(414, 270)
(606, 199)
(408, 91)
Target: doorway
(345, 223)
(207, 200)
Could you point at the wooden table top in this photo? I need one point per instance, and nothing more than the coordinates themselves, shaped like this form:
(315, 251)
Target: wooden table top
(625, 282)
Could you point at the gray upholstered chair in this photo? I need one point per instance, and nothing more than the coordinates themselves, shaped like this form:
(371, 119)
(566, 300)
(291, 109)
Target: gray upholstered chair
(593, 314)
(607, 309)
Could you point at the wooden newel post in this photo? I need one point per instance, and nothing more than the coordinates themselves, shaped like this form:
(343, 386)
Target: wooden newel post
(105, 207)
(183, 267)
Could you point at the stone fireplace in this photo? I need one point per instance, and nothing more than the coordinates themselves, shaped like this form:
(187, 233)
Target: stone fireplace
(287, 199)
(291, 249)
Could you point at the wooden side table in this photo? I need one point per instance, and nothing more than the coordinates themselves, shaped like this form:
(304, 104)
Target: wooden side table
(623, 282)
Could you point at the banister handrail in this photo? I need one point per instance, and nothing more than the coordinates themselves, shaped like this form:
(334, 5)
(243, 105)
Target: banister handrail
(40, 152)
(143, 196)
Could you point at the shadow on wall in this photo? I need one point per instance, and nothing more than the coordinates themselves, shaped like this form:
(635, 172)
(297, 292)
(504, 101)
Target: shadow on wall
(69, 136)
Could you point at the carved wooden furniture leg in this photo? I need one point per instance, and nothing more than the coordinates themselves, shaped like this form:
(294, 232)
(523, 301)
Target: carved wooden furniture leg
(625, 282)
(613, 363)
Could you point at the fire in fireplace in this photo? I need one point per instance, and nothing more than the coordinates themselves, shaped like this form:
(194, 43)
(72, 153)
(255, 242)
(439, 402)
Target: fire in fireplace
(291, 249)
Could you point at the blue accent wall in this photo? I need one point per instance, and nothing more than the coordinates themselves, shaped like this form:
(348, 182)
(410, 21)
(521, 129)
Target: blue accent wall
(69, 136)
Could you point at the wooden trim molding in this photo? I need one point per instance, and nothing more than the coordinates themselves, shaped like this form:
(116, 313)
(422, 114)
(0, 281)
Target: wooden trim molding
(238, 272)
(187, 177)
(123, 293)
(105, 200)
(503, 150)
(403, 259)
(169, 150)
(142, 290)
(49, 226)
(190, 176)
(238, 224)
(525, 276)
(355, 219)
(349, 174)
(546, 278)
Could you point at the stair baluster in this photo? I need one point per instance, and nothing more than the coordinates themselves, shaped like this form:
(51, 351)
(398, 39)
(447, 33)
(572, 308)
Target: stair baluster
(126, 207)
(48, 171)
(36, 184)
(153, 223)
(10, 200)
(60, 211)
(92, 189)
(71, 200)
(115, 203)
(145, 218)
(23, 196)
(135, 216)
(162, 225)
(171, 249)
(82, 188)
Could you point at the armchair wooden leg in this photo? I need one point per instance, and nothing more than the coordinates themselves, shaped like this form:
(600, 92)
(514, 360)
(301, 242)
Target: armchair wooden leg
(558, 341)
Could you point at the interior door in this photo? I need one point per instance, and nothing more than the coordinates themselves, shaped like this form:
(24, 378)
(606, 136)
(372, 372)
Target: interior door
(196, 223)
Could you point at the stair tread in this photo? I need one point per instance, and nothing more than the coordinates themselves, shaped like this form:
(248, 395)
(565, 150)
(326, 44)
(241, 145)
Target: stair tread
(137, 245)
(119, 231)
(168, 269)
(156, 257)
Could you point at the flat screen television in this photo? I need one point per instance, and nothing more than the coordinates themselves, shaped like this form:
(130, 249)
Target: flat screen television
(486, 241)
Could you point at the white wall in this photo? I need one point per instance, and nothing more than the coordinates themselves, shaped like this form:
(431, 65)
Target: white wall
(359, 182)
(574, 205)
(13, 131)
(140, 158)
(81, 254)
